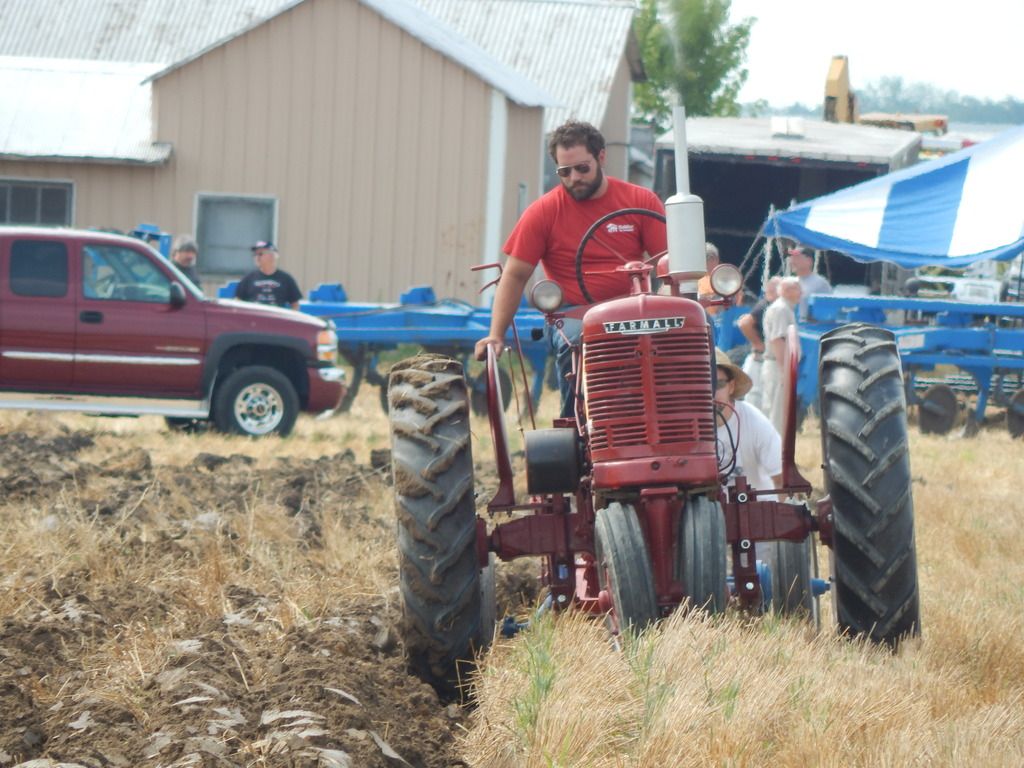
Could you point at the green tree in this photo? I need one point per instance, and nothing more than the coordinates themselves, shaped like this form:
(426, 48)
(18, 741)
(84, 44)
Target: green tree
(696, 58)
(653, 99)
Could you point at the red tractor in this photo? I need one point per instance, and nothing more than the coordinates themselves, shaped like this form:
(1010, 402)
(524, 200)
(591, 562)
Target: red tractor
(628, 503)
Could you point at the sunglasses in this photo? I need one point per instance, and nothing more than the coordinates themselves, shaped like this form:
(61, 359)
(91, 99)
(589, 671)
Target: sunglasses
(581, 168)
(723, 381)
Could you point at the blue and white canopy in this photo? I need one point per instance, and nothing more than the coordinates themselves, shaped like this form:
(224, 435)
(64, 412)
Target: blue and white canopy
(953, 211)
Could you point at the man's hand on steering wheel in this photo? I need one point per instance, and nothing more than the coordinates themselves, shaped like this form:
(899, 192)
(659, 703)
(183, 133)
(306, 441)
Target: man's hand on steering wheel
(480, 349)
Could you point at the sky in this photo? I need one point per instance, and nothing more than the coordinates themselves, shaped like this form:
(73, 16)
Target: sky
(975, 48)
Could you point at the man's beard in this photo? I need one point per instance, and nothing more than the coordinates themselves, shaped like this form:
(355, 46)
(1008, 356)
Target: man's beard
(586, 190)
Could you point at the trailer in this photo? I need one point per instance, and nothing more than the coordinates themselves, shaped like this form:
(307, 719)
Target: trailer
(743, 166)
(450, 327)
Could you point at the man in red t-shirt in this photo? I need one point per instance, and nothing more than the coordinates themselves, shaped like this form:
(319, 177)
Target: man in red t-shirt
(551, 228)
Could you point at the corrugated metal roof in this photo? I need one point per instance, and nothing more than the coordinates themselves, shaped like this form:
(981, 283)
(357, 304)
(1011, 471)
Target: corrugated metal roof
(758, 137)
(75, 110)
(178, 31)
(432, 33)
(571, 48)
(124, 30)
(509, 79)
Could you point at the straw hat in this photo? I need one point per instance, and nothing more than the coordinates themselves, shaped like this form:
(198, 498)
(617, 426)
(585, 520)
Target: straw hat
(742, 381)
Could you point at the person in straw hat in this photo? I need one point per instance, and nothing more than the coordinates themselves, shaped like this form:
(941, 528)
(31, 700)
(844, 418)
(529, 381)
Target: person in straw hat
(748, 443)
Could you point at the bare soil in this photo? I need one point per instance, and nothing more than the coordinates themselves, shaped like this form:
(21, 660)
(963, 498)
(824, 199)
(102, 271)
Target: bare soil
(238, 689)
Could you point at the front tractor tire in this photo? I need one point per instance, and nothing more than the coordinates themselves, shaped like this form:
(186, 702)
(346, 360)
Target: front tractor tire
(702, 554)
(624, 568)
(442, 591)
(256, 400)
(867, 475)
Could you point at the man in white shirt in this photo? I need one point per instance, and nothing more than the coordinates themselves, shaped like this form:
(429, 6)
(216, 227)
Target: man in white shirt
(777, 319)
(748, 444)
(802, 262)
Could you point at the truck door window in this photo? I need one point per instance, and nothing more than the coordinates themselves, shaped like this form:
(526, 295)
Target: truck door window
(38, 268)
(115, 273)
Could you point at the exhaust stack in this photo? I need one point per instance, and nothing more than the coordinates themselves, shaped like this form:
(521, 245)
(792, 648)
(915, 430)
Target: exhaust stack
(684, 216)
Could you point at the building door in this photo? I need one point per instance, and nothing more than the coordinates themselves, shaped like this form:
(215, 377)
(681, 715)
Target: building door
(227, 226)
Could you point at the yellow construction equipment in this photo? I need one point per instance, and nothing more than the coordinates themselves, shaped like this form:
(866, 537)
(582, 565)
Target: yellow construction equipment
(841, 106)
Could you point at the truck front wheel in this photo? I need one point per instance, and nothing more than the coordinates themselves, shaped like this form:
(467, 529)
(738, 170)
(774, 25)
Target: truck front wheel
(256, 400)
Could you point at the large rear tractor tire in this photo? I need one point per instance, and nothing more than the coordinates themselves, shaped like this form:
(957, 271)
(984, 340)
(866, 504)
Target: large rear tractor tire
(624, 568)
(702, 554)
(867, 475)
(439, 572)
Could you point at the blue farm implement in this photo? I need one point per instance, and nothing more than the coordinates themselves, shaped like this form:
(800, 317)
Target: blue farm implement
(366, 330)
(952, 352)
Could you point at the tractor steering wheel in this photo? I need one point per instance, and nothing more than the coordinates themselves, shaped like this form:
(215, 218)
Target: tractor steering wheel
(591, 234)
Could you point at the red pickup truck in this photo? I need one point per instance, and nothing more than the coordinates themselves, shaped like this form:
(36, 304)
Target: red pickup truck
(103, 324)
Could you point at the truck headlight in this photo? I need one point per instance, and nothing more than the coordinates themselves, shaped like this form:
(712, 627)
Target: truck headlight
(327, 346)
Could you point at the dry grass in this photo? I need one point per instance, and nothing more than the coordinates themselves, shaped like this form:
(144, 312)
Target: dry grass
(734, 692)
(176, 565)
(692, 692)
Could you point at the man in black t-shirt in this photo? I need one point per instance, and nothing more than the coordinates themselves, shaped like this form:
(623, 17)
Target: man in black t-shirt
(267, 284)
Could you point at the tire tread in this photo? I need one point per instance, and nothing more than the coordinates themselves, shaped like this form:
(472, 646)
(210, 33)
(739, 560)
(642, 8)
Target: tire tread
(432, 469)
(867, 474)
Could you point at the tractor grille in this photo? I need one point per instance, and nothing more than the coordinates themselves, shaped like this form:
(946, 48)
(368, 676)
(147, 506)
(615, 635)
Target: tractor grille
(649, 390)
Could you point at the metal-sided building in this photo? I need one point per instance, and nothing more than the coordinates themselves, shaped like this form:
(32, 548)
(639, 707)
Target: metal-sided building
(583, 52)
(379, 146)
(376, 144)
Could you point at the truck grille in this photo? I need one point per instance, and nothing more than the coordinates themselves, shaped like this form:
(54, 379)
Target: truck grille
(673, 406)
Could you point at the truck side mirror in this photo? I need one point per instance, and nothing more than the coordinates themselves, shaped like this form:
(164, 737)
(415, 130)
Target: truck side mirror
(177, 295)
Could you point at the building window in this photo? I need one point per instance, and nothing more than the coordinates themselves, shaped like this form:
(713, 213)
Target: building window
(35, 202)
(227, 226)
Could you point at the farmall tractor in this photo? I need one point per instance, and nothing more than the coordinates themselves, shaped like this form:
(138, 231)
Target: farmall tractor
(629, 504)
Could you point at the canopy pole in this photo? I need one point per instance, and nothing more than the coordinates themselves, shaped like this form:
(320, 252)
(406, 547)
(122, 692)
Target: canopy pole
(769, 246)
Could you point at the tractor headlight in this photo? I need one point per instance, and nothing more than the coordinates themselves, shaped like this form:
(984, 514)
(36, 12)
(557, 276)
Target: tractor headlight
(327, 346)
(546, 295)
(726, 280)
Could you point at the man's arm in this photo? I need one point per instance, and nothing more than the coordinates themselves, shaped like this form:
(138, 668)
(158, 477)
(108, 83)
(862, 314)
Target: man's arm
(506, 301)
(748, 327)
